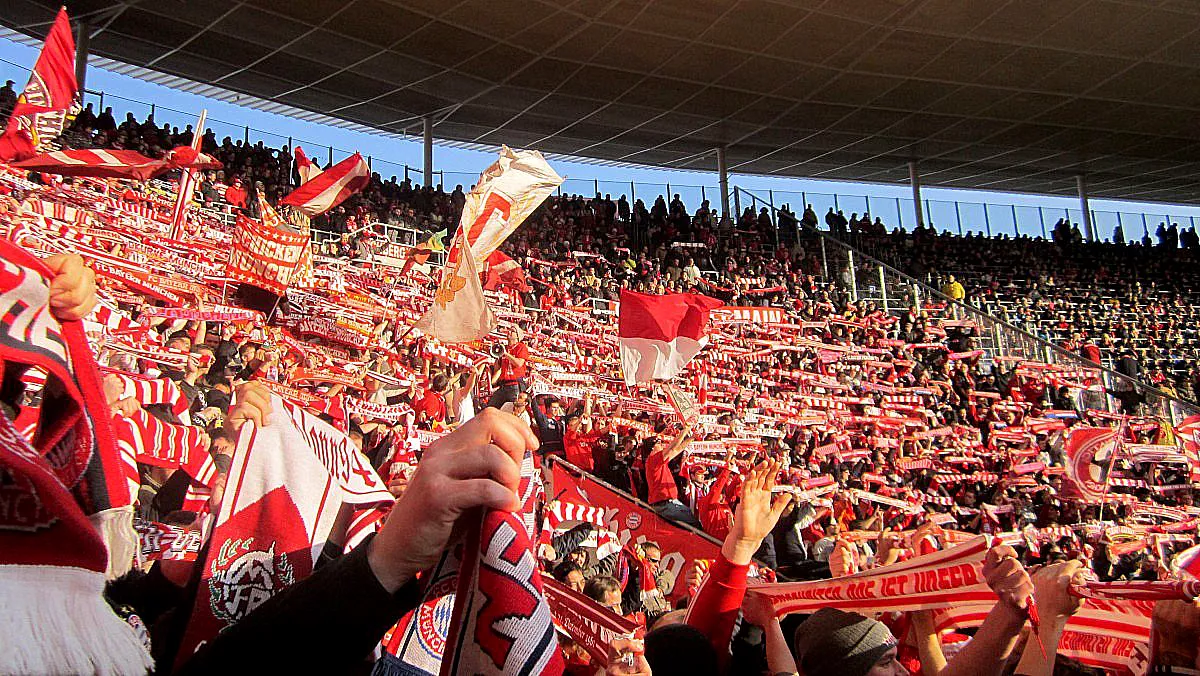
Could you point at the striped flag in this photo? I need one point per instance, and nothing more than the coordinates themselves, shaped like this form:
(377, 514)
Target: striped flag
(307, 169)
(330, 188)
(187, 183)
(115, 163)
(42, 109)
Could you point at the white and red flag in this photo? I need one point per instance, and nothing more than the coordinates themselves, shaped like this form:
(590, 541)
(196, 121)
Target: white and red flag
(287, 481)
(307, 169)
(1089, 452)
(330, 188)
(502, 270)
(49, 97)
(507, 192)
(459, 313)
(115, 163)
(660, 334)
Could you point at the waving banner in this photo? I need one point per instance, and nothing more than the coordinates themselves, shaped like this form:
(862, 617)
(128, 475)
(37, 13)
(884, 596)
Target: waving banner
(508, 191)
(949, 577)
(1089, 451)
(264, 256)
(41, 111)
(637, 522)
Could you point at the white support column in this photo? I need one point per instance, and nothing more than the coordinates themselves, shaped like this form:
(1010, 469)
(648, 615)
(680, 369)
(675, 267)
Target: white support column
(428, 138)
(853, 276)
(883, 290)
(723, 177)
(915, 180)
(1088, 229)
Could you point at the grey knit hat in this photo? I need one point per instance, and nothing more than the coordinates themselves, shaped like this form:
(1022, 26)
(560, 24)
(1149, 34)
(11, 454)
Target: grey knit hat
(833, 642)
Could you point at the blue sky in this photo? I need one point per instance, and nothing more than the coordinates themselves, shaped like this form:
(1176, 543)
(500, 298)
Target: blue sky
(389, 155)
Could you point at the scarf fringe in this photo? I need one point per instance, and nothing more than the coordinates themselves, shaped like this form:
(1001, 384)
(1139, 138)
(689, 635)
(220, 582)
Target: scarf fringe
(115, 527)
(55, 621)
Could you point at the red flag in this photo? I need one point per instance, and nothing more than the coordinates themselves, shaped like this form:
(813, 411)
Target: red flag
(264, 256)
(331, 188)
(504, 271)
(116, 163)
(307, 169)
(1088, 451)
(41, 111)
(660, 334)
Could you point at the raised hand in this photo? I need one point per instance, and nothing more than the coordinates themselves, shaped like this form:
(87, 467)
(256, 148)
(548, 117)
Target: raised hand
(73, 287)
(1051, 589)
(1007, 577)
(477, 465)
(253, 403)
(757, 513)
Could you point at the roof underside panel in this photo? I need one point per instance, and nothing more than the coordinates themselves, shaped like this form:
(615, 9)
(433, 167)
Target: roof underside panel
(1021, 95)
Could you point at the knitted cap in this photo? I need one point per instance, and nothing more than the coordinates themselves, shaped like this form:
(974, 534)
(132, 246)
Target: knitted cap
(833, 642)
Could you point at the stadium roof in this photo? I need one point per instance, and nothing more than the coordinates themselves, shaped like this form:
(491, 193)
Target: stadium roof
(1017, 95)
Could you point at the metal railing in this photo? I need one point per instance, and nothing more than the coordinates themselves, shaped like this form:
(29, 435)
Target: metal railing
(872, 280)
(959, 217)
(964, 218)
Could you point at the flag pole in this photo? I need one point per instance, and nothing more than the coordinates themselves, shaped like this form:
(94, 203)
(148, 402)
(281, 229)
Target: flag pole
(1120, 442)
(295, 266)
(187, 181)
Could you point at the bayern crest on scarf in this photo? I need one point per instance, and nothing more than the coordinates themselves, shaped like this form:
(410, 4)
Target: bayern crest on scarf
(484, 611)
(286, 484)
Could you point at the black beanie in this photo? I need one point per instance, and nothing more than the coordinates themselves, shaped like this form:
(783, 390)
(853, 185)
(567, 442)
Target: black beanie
(833, 642)
(681, 649)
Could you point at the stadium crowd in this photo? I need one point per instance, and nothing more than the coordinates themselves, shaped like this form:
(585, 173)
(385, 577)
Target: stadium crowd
(831, 438)
(1130, 307)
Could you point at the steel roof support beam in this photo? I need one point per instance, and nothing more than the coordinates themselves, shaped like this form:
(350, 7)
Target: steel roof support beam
(914, 179)
(82, 38)
(723, 172)
(428, 142)
(1088, 230)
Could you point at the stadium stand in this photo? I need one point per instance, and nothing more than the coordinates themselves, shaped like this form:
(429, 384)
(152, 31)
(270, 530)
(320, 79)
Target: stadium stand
(277, 450)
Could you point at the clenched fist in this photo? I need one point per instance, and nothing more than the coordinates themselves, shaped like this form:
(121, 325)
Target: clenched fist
(477, 465)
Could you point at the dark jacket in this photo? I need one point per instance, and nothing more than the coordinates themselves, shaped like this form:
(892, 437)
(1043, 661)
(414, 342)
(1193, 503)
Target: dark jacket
(328, 623)
(550, 430)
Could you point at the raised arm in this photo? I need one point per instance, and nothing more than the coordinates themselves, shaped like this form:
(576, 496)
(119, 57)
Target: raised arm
(987, 653)
(1056, 606)
(677, 445)
(715, 607)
